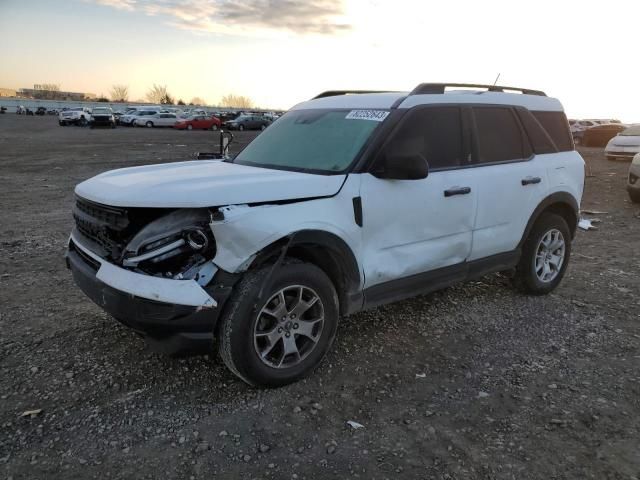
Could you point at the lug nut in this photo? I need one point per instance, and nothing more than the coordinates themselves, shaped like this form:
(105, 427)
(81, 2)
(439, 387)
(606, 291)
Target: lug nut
(287, 334)
(295, 326)
(293, 315)
(280, 330)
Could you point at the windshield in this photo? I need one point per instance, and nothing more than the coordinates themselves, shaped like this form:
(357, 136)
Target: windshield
(101, 110)
(632, 131)
(313, 140)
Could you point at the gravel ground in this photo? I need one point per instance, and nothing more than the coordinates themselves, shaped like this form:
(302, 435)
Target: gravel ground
(476, 381)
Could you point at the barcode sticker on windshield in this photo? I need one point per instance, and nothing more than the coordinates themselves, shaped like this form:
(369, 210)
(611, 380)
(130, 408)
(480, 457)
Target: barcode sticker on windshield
(375, 115)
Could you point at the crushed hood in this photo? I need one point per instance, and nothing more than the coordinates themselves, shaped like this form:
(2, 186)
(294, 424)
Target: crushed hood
(203, 184)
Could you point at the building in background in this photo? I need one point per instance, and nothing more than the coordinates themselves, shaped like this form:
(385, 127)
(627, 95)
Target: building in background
(7, 92)
(46, 92)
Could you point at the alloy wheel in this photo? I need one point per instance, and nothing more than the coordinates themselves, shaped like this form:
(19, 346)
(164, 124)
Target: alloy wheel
(550, 256)
(288, 326)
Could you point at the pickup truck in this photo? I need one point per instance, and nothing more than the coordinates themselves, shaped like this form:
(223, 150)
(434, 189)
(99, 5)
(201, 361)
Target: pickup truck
(75, 116)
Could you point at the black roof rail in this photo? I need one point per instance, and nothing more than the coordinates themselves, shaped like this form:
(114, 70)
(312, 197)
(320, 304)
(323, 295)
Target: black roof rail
(439, 88)
(336, 93)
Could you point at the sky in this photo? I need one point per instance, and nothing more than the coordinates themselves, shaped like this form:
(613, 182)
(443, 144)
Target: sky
(281, 52)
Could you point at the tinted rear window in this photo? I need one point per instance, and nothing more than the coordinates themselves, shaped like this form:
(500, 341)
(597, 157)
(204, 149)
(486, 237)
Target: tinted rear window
(500, 138)
(557, 126)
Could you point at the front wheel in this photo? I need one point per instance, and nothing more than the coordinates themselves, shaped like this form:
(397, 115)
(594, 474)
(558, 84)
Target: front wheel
(241, 127)
(279, 324)
(149, 124)
(634, 196)
(545, 256)
(214, 127)
(189, 127)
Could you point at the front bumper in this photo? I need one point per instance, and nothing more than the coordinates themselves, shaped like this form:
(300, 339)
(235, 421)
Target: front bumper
(615, 154)
(176, 315)
(102, 121)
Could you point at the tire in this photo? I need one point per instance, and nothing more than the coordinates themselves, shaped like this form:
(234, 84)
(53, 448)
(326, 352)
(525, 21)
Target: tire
(214, 127)
(189, 127)
(62, 124)
(263, 127)
(82, 122)
(240, 347)
(530, 272)
(241, 128)
(149, 124)
(634, 197)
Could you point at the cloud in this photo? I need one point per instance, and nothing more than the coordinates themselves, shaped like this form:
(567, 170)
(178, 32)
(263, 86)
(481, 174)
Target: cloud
(323, 17)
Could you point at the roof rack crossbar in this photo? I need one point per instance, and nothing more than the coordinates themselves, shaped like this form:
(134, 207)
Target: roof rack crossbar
(336, 93)
(439, 88)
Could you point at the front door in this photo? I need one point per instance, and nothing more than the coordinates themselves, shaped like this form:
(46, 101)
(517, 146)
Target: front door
(416, 226)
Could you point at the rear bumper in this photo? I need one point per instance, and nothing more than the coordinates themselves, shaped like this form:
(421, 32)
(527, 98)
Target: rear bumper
(174, 315)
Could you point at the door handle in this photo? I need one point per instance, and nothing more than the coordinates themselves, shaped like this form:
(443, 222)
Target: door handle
(530, 181)
(457, 191)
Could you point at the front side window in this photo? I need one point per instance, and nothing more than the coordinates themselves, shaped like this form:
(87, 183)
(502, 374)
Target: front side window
(435, 133)
(499, 137)
(323, 141)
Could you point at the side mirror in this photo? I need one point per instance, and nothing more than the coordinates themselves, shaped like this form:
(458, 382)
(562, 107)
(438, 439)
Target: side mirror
(402, 167)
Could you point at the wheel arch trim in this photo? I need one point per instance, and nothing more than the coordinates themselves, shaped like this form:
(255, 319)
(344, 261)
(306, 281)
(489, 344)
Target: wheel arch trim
(553, 202)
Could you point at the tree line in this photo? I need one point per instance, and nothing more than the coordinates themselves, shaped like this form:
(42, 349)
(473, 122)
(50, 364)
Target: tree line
(159, 94)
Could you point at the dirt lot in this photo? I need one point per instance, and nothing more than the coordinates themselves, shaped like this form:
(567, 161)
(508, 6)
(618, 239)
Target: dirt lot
(476, 381)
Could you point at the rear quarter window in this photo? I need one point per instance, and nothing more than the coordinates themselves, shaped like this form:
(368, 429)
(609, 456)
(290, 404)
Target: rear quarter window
(557, 126)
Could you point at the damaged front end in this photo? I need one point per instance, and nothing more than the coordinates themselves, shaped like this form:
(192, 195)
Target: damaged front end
(151, 269)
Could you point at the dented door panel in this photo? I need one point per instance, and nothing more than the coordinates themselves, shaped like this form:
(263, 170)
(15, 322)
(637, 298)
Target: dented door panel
(411, 227)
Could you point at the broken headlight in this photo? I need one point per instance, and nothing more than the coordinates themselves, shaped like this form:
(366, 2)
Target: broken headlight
(175, 245)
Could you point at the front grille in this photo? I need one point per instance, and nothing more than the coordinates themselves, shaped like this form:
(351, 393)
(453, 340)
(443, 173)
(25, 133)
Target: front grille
(104, 226)
(106, 230)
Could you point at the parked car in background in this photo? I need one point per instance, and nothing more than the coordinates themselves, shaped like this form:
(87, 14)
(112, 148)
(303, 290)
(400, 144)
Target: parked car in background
(624, 145)
(633, 183)
(41, 111)
(599, 135)
(248, 122)
(199, 122)
(159, 119)
(21, 110)
(102, 117)
(53, 111)
(75, 116)
(130, 118)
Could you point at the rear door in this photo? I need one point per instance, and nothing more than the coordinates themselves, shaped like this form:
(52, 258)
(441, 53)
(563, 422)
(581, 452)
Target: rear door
(415, 226)
(511, 180)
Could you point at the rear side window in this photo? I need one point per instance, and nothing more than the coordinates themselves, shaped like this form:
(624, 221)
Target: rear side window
(436, 133)
(557, 126)
(499, 136)
(540, 140)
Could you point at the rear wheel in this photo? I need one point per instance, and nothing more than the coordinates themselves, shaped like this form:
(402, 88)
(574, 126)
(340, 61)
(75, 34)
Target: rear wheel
(279, 324)
(189, 127)
(214, 127)
(241, 127)
(263, 126)
(149, 124)
(82, 122)
(545, 256)
(634, 197)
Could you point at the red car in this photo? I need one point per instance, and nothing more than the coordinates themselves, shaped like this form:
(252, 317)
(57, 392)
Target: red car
(199, 122)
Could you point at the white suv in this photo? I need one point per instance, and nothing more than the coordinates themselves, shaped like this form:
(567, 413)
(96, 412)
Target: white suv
(349, 201)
